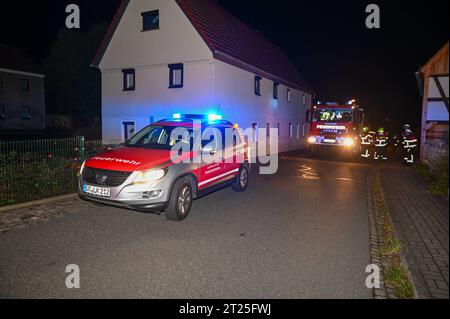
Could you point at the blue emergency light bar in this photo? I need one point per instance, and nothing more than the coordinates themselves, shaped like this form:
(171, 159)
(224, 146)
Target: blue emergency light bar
(209, 117)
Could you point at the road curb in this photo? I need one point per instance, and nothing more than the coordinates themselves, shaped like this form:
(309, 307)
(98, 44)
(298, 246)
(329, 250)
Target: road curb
(37, 203)
(375, 256)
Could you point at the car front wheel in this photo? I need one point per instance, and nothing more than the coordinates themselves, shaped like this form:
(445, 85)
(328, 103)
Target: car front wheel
(180, 202)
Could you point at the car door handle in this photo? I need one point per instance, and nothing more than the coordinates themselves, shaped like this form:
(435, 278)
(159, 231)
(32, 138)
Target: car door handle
(213, 152)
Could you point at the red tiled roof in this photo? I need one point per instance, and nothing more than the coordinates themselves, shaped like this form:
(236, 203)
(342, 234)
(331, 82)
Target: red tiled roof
(233, 42)
(230, 41)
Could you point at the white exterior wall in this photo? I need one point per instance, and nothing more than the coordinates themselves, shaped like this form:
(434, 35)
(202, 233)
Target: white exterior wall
(152, 97)
(209, 84)
(236, 100)
(176, 40)
(150, 53)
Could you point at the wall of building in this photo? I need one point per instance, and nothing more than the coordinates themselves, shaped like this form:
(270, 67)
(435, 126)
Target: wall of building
(210, 86)
(13, 99)
(176, 39)
(152, 100)
(435, 134)
(150, 53)
(236, 100)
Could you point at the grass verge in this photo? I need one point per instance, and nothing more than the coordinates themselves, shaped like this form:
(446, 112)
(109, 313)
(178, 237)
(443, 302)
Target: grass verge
(391, 249)
(438, 175)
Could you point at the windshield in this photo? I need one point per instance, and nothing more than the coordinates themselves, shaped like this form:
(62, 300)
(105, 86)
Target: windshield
(159, 137)
(333, 115)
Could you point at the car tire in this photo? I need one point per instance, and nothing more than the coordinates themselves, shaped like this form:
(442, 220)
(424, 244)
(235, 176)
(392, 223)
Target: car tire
(180, 202)
(242, 179)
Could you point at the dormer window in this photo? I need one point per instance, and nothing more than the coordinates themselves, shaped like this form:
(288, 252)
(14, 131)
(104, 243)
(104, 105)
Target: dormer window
(150, 20)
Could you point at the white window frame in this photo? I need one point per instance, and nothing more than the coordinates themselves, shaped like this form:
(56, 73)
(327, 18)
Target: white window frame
(255, 132)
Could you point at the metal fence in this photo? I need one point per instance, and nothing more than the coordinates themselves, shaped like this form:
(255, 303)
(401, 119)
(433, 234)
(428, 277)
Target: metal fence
(37, 169)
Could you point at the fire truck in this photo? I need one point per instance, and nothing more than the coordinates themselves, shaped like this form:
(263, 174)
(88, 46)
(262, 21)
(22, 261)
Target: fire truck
(335, 125)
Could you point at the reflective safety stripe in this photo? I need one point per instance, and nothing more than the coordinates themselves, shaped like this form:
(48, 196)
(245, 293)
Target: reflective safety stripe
(218, 177)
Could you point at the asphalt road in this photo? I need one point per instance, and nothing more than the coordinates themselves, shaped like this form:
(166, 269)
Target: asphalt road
(302, 233)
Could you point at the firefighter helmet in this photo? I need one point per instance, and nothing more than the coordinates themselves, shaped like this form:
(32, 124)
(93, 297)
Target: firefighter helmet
(366, 129)
(380, 130)
(407, 127)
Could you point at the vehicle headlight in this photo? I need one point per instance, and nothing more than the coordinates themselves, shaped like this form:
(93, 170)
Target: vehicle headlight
(312, 140)
(150, 176)
(348, 141)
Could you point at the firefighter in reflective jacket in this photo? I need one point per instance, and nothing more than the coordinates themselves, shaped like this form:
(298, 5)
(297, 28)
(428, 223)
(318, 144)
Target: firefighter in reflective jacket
(366, 142)
(408, 142)
(381, 144)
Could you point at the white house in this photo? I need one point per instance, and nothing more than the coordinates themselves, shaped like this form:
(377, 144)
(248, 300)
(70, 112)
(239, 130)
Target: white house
(162, 57)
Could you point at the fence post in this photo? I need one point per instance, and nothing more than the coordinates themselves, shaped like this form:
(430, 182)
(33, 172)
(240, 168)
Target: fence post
(82, 150)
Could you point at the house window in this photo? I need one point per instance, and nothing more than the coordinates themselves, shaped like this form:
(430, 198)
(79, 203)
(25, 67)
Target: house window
(298, 130)
(2, 112)
(1, 81)
(275, 90)
(129, 79)
(26, 113)
(291, 133)
(25, 85)
(258, 85)
(279, 128)
(255, 132)
(129, 130)
(150, 20)
(289, 95)
(303, 130)
(176, 76)
(304, 99)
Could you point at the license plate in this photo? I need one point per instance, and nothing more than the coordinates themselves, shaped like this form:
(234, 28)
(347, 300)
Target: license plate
(97, 191)
(329, 141)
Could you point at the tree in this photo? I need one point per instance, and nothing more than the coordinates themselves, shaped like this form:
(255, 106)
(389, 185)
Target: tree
(73, 87)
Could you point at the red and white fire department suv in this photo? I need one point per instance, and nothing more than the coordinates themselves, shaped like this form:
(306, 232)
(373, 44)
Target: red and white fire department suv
(142, 174)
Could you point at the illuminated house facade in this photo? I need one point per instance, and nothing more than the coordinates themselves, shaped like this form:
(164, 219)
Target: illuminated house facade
(162, 57)
(22, 96)
(434, 85)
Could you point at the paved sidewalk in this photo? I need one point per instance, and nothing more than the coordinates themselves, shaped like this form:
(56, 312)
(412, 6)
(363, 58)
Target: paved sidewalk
(421, 220)
(24, 217)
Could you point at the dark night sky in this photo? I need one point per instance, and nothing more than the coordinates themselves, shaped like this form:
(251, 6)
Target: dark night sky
(327, 40)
